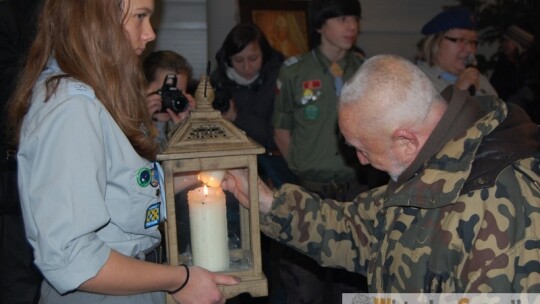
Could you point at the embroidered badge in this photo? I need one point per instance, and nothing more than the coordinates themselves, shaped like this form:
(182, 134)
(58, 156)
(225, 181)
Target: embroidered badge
(311, 84)
(311, 112)
(144, 177)
(152, 216)
(76, 88)
(309, 96)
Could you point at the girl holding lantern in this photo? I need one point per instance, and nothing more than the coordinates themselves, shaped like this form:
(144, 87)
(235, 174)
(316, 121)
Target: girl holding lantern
(89, 189)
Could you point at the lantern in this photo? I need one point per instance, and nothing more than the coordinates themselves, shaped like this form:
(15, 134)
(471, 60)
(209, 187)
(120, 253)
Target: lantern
(205, 145)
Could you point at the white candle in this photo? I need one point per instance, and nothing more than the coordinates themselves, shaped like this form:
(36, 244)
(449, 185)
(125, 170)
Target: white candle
(208, 225)
(212, 178)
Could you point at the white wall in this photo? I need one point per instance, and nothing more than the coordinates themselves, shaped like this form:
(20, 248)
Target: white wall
(196, 28)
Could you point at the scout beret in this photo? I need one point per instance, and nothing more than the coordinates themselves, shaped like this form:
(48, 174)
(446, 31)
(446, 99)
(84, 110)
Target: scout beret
(458, 17)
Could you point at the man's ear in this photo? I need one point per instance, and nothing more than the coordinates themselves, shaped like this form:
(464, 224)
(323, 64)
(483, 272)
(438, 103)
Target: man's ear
(406, 143)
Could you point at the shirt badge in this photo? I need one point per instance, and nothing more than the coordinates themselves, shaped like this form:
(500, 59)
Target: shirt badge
(311, 112)
(144, 177)
(311, 84)
(152, 215)
(308, 96)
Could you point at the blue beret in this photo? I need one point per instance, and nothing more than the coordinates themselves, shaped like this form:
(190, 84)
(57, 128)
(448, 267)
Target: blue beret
(458, 17)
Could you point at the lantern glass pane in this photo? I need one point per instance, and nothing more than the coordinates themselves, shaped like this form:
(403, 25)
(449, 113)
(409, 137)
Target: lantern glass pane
(212, 228)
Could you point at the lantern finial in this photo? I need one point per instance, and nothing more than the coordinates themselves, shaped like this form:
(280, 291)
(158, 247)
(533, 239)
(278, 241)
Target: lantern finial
(204, 95)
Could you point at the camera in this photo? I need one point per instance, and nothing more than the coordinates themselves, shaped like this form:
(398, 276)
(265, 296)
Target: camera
(222, 100)
(171, 97)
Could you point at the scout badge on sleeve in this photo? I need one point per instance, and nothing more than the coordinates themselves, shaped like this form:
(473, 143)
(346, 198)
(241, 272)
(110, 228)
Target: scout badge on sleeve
(277, 89)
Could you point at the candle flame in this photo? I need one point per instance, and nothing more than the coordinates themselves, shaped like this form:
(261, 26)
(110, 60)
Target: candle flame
(205, 190)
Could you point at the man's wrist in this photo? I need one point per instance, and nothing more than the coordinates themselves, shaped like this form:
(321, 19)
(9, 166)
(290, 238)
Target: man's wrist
(266, 198)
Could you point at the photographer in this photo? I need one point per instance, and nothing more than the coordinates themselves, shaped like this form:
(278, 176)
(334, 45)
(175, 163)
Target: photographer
(167, 98)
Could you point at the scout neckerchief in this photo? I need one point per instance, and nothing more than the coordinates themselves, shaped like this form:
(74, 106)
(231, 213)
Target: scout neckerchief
(334, 69)
(337, 72)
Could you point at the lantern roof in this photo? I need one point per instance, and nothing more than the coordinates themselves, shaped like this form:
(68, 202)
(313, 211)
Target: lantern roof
(205, 133)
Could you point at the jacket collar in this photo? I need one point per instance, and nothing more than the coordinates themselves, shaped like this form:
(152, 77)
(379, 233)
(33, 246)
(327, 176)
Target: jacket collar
(443, 165)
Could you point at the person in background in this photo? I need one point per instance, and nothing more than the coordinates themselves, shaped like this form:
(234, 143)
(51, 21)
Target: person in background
(19, 278)
(305, 130)
(508, 75)
(514, 75)
(156, 66)
(447, 52)
(459, 214)
(244, 82)
(89, 186)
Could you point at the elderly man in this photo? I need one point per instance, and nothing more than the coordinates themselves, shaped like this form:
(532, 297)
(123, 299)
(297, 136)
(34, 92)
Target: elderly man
(462, 211)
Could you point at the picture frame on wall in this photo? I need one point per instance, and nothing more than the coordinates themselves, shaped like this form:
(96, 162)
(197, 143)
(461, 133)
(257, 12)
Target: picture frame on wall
(284, 22)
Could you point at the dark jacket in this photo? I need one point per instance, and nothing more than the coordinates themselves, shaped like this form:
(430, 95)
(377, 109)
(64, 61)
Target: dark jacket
(255, 102)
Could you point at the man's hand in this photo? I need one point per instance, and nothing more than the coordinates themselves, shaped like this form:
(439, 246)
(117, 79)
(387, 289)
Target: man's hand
(236, 182)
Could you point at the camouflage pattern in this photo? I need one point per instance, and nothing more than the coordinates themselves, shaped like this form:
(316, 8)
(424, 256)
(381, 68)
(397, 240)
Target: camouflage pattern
(427, 235)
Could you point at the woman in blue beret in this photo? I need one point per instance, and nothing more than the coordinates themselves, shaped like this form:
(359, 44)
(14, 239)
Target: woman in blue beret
(447, 52)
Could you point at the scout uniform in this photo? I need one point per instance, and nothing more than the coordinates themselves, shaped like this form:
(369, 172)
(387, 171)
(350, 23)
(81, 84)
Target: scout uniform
(306, 104)
(441, 79)
(84, 192)
(308, 88)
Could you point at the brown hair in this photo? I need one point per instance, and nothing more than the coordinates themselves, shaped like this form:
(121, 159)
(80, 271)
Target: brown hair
(168, 60)
(88, 40)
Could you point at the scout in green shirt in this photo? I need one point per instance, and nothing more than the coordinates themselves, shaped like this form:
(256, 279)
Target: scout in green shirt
(305, 111)
(307, 134)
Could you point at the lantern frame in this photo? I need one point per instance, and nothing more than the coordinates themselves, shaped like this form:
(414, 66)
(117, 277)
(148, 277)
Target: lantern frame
(206, 142)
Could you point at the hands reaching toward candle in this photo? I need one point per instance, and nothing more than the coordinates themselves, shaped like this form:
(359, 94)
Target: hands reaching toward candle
(212, 178)
(202, 287)
(236, 182)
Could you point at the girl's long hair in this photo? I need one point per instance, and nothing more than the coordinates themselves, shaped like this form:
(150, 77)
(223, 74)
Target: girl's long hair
(88, 40)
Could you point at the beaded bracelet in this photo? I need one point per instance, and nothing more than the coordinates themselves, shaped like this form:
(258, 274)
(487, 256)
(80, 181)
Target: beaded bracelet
(185, 282)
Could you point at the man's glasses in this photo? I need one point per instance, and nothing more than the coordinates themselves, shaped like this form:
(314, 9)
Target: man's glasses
(462, 41)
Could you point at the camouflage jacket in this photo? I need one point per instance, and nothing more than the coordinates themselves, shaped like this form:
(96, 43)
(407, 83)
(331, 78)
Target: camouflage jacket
(466, 220)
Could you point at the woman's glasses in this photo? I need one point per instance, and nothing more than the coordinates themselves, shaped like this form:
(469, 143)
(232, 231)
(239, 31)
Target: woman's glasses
(462, 41)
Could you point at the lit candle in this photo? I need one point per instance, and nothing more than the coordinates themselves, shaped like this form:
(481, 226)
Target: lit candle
(208, 225)
(212, 178)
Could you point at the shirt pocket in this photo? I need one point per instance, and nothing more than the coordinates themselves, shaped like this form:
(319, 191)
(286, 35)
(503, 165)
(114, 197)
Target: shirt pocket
(145, 198)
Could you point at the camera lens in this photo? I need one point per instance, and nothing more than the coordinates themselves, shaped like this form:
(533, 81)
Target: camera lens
(174, 100)
(171, 97)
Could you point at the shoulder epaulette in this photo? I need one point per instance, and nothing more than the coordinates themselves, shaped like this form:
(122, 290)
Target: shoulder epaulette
(292, 60)
(78, 88)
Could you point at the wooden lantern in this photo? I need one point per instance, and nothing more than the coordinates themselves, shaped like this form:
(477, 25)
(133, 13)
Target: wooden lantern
(205, 142)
